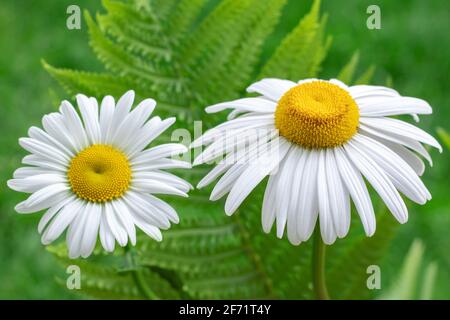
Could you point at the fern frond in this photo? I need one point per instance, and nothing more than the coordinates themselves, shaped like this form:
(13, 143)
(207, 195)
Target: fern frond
(348, 71)
(107, 278)
(305, 47)
(348, 276)
(367, 76)
(118, 60)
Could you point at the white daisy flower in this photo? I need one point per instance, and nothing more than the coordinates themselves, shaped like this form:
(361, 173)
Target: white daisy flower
(328, 138)
(93, 175)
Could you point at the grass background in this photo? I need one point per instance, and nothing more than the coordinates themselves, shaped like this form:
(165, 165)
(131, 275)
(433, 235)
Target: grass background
(412, 49)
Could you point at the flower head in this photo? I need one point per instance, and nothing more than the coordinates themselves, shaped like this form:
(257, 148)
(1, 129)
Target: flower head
(94, 175)
(319, 140)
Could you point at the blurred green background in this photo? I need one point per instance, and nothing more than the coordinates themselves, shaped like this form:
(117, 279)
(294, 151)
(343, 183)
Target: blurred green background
(412, 49)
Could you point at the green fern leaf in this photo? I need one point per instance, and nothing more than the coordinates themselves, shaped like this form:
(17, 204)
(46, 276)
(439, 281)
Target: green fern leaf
(305, 48)
(348, 71)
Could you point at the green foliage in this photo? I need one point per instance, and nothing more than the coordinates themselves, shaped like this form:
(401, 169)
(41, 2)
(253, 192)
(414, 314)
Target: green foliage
(445, 136)
(186, 57)
(408, 284)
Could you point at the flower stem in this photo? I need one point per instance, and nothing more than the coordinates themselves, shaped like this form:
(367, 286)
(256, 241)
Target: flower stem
(139, 277)
(318, 267)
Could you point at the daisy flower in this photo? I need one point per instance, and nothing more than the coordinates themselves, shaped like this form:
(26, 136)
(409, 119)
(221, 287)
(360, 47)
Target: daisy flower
(94, 176)
(321, 140)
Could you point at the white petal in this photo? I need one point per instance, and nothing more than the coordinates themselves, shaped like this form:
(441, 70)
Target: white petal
(235, 127)
(214, 174)
(26, 172)
(91, 230)
(106, 237)
(162, 164)
(42, 136)
(232, 141)
(401, 128)
(255, 173)
(294, 198)
(44, 151)
(244, 105)
(122, 109)
(284, 194)
(156, 187)
(158, 152)
(358, 191)
(53, 211)
(150, 230)
(269, 203)
(147, 134)
(74, 235)
(44, 163)
(410, 157)
(128, 129)
(124, 216)
(36, 182)
(61, 221)
(368, 92)
(164, 207)
(89, 113)
(395, 138)
(308, 208)
(106, 116)
(325, 207)
(74, 125)
(119, 232)
(338, 196)
(377, 107)
(271, 88)
(142, 207)
(402, 175)
(53, 124)
(164, 177)
(44, 198)
(379, 181)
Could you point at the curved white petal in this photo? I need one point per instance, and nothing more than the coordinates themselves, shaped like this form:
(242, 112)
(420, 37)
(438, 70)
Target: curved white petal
(244, 105)
(91, 229)
(338, 196)
(106, 236)
(402, 175)
(61, 221)
(42, 136)
(271, 88)
(106, 116)
(126, 219)
(53, 124)
(401, 128)
(307, 205)
(285, 214)
(395, 138)
(379, 181)
(255, 173)
(89, 113)
(357, 188)
(36, 182)
(325, 206)
(158, 152)
(74, 125)
(44, 198)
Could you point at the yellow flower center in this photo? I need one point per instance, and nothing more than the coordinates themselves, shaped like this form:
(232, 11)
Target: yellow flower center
(317, 114)
(99, 173)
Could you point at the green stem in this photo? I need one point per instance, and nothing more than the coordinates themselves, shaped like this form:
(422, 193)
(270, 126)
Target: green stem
(318, 267)
(139, 277)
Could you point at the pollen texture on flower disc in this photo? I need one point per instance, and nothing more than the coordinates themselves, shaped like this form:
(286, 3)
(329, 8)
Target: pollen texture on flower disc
(317, 114)
(99, 173)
